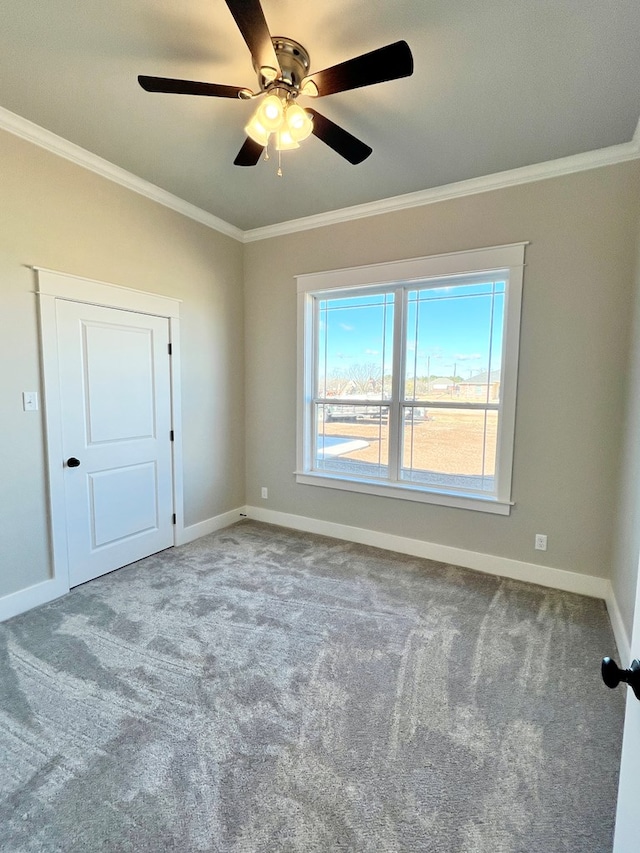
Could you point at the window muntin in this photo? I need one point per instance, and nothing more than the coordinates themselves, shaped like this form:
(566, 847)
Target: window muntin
(404, 382)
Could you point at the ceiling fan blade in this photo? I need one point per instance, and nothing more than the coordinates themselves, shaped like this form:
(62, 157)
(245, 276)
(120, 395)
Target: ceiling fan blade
(252, 24)
(249, 154)
(188, 87)
(336, 137)
(386, 63)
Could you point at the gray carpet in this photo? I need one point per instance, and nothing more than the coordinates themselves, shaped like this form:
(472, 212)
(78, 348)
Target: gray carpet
(262, 690)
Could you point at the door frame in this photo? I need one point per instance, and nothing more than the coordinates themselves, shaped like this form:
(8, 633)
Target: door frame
(50, 287)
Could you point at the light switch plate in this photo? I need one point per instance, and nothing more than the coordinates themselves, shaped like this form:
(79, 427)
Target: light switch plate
(30, 401)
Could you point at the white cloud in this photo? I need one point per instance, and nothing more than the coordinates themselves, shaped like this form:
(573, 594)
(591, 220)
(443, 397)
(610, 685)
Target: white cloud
(471, 357)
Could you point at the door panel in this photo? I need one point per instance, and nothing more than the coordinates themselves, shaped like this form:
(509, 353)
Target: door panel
(118, 382)
(123, 503)
(116, 412)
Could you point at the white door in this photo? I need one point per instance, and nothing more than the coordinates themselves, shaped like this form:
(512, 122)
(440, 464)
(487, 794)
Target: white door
(627, 837)
(115, 402)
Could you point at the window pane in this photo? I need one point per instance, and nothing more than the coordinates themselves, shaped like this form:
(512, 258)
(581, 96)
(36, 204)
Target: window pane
(352, 440)
(355, 342)
(454, 343)
(450, 448)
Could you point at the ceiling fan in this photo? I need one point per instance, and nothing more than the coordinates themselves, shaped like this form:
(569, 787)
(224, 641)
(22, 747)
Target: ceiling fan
(282, 65)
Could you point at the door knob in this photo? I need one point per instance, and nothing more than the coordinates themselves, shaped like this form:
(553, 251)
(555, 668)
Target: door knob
(72, 462)
(612, 675)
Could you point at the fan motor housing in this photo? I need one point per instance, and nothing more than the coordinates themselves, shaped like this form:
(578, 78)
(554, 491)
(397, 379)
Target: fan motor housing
(294, 63)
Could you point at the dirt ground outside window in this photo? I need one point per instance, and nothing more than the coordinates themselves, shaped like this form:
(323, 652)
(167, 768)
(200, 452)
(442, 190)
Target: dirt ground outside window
(451, 441)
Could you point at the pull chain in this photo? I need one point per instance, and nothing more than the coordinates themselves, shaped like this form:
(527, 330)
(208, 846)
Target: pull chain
(279, 164)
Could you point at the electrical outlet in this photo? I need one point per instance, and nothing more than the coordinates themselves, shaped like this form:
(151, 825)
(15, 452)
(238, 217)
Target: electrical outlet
(264, 492)
(541, 542)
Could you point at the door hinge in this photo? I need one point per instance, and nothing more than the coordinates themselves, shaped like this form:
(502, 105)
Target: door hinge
(173, 518)
(171, 435)
(170, 348)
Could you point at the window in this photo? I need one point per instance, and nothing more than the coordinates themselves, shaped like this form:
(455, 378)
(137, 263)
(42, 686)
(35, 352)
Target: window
(408, 378)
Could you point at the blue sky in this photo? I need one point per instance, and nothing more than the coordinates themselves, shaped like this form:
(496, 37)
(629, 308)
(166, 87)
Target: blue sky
(448, 328)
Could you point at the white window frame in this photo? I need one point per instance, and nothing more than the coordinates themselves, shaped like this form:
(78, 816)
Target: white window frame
(507, 259)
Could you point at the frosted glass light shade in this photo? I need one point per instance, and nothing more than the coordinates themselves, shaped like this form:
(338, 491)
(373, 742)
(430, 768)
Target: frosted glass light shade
(257, 132)
(299, 123)
(284, 141)
(270, 113)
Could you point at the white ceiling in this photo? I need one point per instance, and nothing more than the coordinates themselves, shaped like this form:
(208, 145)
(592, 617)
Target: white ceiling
(498, 84)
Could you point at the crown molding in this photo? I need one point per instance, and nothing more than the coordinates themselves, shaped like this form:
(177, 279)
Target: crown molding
(26, 129)
(500, 180)
(610, 156)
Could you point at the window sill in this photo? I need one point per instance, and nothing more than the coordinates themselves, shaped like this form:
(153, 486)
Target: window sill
(405, 493)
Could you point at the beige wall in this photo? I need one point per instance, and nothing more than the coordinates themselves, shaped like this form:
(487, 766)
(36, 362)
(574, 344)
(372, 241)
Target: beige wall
(576, 317)
(56, 215)
(627, 533)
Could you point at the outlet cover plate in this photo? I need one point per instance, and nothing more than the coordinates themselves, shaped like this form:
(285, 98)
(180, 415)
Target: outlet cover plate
(541, 542)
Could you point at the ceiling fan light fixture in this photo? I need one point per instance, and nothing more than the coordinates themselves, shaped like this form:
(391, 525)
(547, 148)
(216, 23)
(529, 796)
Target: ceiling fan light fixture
(298, 123)
(257, 131)
(270, 113)
(284, 140)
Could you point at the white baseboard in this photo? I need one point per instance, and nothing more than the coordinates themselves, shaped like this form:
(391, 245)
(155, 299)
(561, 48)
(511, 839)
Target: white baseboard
(210, 525)
(33, 596)
(487, 563)
(617, 623)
